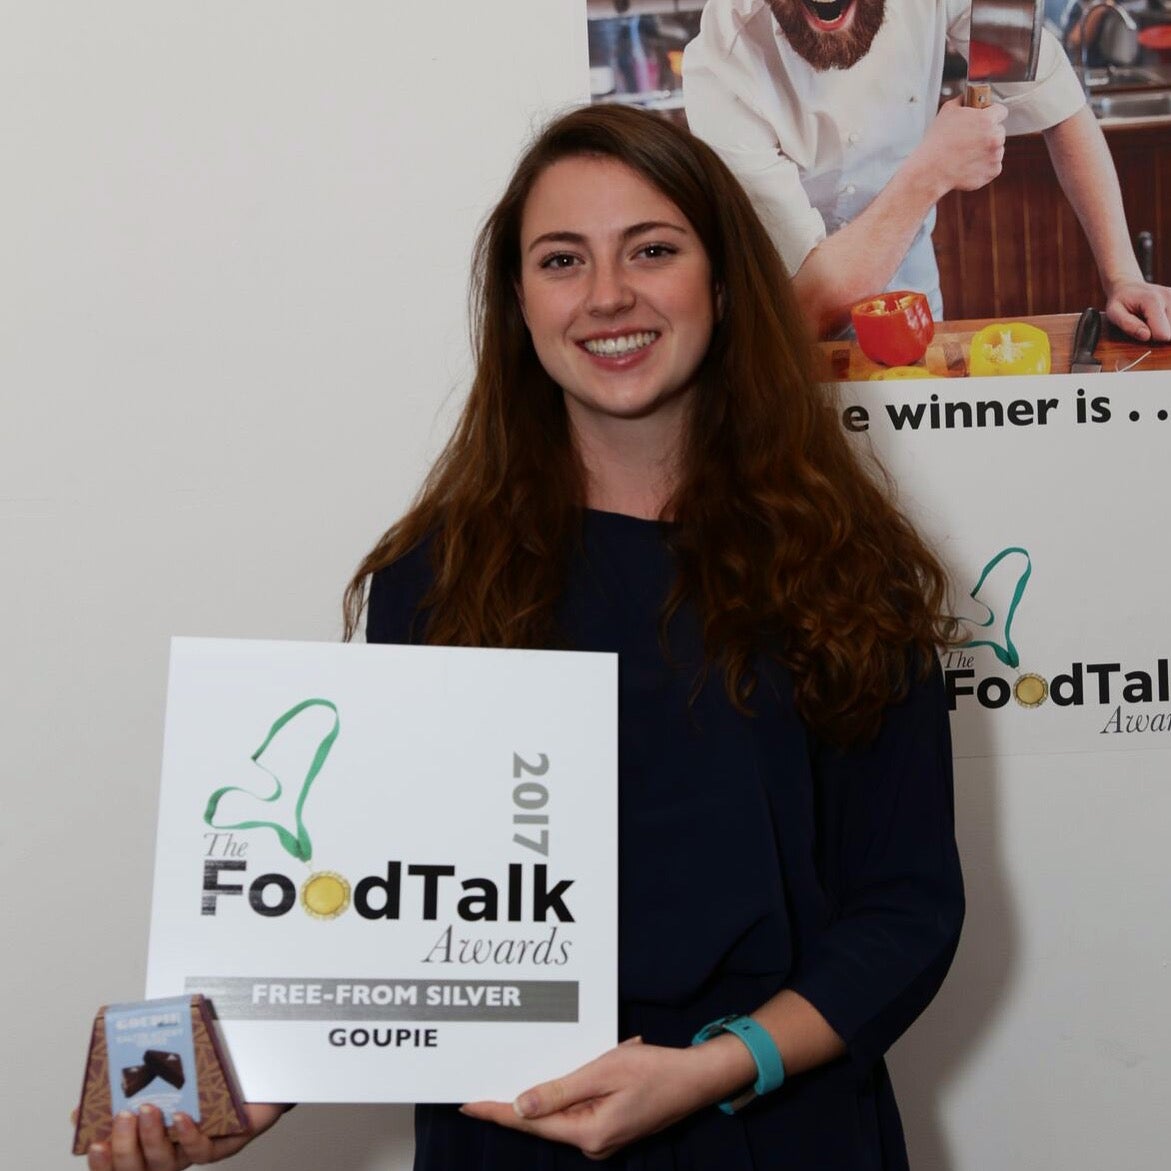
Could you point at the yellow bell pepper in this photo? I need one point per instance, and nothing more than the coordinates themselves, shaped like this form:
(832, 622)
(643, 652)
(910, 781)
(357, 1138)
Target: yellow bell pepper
(895, 373)
(1009, 347)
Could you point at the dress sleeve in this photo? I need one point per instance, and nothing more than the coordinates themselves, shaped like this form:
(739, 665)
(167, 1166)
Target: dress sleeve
(891, 869)
(394, 611)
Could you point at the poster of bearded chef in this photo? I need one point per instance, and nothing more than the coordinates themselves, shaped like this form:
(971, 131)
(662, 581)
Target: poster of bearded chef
(844, 120)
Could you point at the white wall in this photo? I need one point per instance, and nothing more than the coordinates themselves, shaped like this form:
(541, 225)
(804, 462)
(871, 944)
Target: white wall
(234, 241)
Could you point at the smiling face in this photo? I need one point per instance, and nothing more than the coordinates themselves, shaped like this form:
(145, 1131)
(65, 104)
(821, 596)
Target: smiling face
(830, 34)
(616, 290)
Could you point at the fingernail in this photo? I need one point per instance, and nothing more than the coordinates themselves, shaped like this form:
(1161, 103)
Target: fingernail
(183, 1124)
(526, 1105)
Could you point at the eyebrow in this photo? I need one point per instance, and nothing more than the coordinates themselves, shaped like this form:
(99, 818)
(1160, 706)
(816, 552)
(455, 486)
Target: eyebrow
(567, 237)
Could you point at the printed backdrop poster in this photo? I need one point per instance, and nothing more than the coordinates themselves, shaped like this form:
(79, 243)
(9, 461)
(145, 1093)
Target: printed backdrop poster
(1046, 526)
(391, 869)
(1045, 497)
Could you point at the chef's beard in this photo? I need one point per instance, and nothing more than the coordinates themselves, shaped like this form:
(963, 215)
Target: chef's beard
(834, 49)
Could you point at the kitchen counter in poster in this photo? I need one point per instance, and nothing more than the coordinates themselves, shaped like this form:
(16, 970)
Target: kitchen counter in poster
(392, 870)
(947, 355)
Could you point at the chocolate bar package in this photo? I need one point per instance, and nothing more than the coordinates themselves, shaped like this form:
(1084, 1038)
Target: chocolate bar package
(162, 1052)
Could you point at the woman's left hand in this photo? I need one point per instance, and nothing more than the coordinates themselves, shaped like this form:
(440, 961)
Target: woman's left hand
(626, 1094)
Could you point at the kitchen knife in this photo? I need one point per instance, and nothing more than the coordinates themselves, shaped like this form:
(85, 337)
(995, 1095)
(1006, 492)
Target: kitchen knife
(1085, 339)
(1004, 43)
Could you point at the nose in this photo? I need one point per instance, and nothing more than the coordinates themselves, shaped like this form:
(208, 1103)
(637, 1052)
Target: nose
(609, 291)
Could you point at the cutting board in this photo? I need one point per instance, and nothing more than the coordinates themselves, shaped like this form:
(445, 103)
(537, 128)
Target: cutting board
(946, 357)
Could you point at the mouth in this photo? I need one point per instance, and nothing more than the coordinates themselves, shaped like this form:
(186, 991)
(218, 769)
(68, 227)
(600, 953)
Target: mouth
(827, 15)
(620, 346)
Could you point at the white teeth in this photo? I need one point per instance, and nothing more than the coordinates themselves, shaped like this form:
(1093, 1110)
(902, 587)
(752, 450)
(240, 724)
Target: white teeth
(612, 347)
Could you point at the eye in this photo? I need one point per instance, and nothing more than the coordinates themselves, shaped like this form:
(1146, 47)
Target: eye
(656, 251)
(559, 260)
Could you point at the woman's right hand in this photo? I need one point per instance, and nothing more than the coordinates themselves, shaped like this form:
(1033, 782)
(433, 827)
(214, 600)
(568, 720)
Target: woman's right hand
(139, 1142)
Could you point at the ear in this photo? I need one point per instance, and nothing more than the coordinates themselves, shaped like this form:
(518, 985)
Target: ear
(720, 300)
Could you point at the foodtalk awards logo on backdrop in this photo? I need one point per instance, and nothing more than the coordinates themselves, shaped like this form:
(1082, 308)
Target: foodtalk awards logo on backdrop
(1115, 692)
(410, 890)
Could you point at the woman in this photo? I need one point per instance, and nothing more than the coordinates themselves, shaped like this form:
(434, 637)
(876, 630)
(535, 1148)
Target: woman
(647, 465)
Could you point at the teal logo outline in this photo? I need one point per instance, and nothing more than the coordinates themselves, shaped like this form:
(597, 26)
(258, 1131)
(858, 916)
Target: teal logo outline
(298, 844)
(1006, 652)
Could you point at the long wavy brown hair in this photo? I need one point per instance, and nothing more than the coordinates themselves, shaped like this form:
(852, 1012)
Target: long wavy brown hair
(787, 542)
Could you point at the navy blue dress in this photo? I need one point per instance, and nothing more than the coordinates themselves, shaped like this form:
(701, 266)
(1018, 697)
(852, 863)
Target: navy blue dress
(751, 858)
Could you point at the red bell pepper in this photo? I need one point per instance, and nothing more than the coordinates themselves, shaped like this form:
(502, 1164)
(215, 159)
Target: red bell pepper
(894, 328)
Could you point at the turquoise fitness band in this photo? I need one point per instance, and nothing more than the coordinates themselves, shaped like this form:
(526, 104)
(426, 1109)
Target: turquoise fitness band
(770, 1069)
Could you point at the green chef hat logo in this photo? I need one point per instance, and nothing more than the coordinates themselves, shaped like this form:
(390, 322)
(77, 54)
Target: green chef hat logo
(293, 837)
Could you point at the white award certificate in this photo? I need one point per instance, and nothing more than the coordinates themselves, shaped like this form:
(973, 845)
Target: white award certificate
(392, 870)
